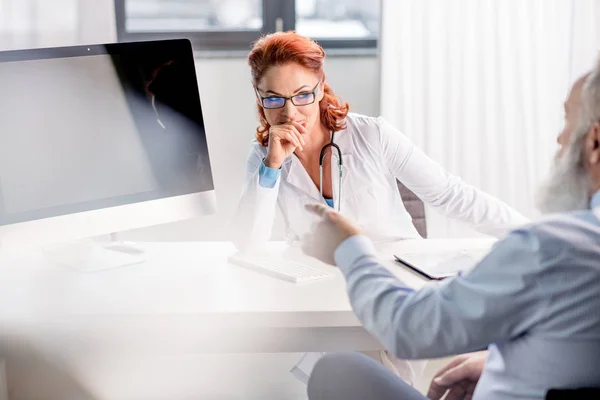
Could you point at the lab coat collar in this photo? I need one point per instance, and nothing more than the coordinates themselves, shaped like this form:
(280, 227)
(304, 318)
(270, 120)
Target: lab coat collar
(298, 177)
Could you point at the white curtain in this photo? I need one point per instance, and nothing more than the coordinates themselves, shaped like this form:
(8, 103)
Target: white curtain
(46, 23)
(479, 86)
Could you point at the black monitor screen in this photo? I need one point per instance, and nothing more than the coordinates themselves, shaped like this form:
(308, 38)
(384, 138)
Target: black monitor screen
(91, 127)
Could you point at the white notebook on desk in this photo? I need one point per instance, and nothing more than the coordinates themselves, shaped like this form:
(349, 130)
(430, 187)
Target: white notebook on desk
(440, 264)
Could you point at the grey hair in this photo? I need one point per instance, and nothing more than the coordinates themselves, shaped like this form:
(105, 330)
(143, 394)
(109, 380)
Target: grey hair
(590, 98)
(568, 186)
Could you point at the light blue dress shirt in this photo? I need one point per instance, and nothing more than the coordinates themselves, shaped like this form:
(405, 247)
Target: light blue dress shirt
(267, 177)
(534, 302)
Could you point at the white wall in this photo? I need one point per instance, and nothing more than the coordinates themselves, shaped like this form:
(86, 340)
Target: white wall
(37, 23)
(231, 119)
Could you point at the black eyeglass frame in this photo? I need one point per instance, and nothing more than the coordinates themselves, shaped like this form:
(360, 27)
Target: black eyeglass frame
(262, 99)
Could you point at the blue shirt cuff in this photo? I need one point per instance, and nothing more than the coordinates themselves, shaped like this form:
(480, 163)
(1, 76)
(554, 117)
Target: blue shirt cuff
(267, 177)
(353, 249)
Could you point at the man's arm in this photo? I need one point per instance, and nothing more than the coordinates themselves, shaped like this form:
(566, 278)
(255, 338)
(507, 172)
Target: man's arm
(497, 300)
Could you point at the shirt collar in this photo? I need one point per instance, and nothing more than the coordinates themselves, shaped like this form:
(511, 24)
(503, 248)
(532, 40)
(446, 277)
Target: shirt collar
(595, 203)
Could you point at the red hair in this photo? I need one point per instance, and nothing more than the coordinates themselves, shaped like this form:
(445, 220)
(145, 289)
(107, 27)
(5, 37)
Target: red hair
(289, 47)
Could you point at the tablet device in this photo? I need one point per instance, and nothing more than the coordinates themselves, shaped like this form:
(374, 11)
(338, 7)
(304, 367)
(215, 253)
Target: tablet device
(440, 265)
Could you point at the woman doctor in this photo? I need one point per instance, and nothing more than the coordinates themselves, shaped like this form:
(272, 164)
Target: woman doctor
(303, 123)
(300, 115)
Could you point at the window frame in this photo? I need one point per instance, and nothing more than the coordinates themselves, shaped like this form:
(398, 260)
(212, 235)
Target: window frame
(275, 12)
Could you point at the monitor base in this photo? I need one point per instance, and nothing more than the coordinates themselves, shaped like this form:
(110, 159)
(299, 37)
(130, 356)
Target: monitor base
(90, 256)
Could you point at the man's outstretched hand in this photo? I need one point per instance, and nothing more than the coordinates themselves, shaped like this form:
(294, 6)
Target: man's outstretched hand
(328, 234)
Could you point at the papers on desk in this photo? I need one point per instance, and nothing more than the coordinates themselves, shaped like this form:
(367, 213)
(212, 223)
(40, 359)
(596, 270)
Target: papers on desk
(441, 264)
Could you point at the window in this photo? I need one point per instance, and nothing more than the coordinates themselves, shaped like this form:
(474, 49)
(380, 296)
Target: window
(192, 15)
(339, 23)
(235, 24)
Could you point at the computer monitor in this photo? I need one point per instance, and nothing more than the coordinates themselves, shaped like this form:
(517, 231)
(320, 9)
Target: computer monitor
(100, 139)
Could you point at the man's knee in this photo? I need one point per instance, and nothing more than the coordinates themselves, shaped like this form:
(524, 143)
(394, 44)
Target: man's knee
(334, 372)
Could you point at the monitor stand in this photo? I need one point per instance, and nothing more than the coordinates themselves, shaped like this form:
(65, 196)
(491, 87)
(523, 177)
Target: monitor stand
(88, 255)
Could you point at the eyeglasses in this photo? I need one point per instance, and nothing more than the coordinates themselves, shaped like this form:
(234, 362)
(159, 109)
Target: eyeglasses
(301, 99)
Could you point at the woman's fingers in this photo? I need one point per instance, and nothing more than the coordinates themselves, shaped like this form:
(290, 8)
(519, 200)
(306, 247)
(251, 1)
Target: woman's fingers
(300, 127)
(289, 133)
(298, 133)
(292, 138)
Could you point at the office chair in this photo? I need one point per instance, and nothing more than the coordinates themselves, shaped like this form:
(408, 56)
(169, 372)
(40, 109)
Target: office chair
(575, 394)
(415, 208)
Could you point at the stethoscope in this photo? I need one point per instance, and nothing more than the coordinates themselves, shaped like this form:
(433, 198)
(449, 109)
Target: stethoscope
(340, 163)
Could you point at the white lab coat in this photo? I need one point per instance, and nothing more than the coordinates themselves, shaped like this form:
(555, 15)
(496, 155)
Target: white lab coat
(374, 155)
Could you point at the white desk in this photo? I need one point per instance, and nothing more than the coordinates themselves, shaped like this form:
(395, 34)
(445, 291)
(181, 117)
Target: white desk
(185, 299)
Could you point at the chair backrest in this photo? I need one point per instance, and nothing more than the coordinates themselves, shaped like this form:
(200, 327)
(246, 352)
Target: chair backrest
(415, 208)
(579, 394)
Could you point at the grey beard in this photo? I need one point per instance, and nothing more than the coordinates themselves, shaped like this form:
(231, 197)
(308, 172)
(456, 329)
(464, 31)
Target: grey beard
(567, 187)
